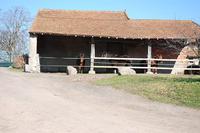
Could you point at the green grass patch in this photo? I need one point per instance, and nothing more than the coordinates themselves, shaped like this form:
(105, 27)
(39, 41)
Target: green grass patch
(16, 69)
(180, 90)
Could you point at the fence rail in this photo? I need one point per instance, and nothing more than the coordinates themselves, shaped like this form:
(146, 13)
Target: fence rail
(109, 62)
(139, 59)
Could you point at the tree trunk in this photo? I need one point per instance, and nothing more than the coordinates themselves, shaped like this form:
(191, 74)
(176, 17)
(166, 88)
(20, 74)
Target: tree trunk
(10, 57)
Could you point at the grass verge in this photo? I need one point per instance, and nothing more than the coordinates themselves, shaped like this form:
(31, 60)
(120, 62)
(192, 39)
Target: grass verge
(180, 90)
(16, 69)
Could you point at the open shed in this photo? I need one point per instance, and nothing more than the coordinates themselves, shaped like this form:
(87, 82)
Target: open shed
(57, 37)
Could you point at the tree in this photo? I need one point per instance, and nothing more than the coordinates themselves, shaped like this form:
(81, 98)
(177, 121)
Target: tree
(179, 44)
(198, 45)
(13, 31)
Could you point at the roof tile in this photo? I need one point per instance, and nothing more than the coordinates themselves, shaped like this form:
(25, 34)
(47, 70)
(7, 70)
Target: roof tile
(112, 24)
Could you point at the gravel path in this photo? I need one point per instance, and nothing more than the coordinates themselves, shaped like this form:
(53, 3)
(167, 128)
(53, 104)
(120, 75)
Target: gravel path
(56, 103)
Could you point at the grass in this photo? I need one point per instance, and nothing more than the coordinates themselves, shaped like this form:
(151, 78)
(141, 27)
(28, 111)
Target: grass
(180, 90)
(16, 69)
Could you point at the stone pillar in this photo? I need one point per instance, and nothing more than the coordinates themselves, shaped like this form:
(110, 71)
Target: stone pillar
(34, 62)
(92, 56)
(149, 56)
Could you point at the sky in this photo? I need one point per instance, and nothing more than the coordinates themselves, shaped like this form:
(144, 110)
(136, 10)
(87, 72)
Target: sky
(136, 9)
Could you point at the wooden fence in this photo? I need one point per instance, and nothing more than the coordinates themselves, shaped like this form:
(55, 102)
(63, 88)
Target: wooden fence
(163, 64)
(134, 63)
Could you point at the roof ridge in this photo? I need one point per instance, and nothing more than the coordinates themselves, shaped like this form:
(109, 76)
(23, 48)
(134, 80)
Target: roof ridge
(120, 20)
(126, 15)
(160, 20)
(106, 11)
(195, 23)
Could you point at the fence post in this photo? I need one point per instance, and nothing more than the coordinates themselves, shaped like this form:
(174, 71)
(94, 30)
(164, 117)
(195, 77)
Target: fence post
(92, 56)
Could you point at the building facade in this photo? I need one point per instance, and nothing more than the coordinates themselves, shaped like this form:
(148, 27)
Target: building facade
(57, 37)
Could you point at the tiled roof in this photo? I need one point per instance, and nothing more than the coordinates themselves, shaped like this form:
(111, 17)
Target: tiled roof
(110, 24)
(165, 28)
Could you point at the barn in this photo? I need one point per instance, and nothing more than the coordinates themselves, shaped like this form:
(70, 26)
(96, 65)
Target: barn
(107, 40)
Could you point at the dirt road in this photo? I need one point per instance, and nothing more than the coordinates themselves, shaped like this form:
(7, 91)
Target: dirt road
(56, 103)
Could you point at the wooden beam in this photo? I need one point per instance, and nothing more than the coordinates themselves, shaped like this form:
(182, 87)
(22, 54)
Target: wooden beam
(149, 56)
(140, 59)
(92, 57)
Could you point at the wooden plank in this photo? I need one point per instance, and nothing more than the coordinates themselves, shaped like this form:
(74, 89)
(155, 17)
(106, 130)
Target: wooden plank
(140, 59)
(149, 57)
(161, 68)
(128, 59)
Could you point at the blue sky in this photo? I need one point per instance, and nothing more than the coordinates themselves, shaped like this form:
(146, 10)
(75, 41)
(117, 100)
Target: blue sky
(138, 9)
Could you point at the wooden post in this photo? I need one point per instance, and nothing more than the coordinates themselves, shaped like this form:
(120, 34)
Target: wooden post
(92, 56)
(149, 56)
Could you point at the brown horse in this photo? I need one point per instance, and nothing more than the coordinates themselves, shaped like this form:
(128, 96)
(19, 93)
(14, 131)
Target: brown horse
(81, 63)
(154, 63)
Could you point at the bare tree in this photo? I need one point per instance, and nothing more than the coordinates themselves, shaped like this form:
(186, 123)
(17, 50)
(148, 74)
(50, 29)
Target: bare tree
(13, 31)
(198, 45)
(179, 44)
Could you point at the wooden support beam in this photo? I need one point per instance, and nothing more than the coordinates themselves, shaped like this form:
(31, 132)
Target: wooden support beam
(149, 56)
(92, 56)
